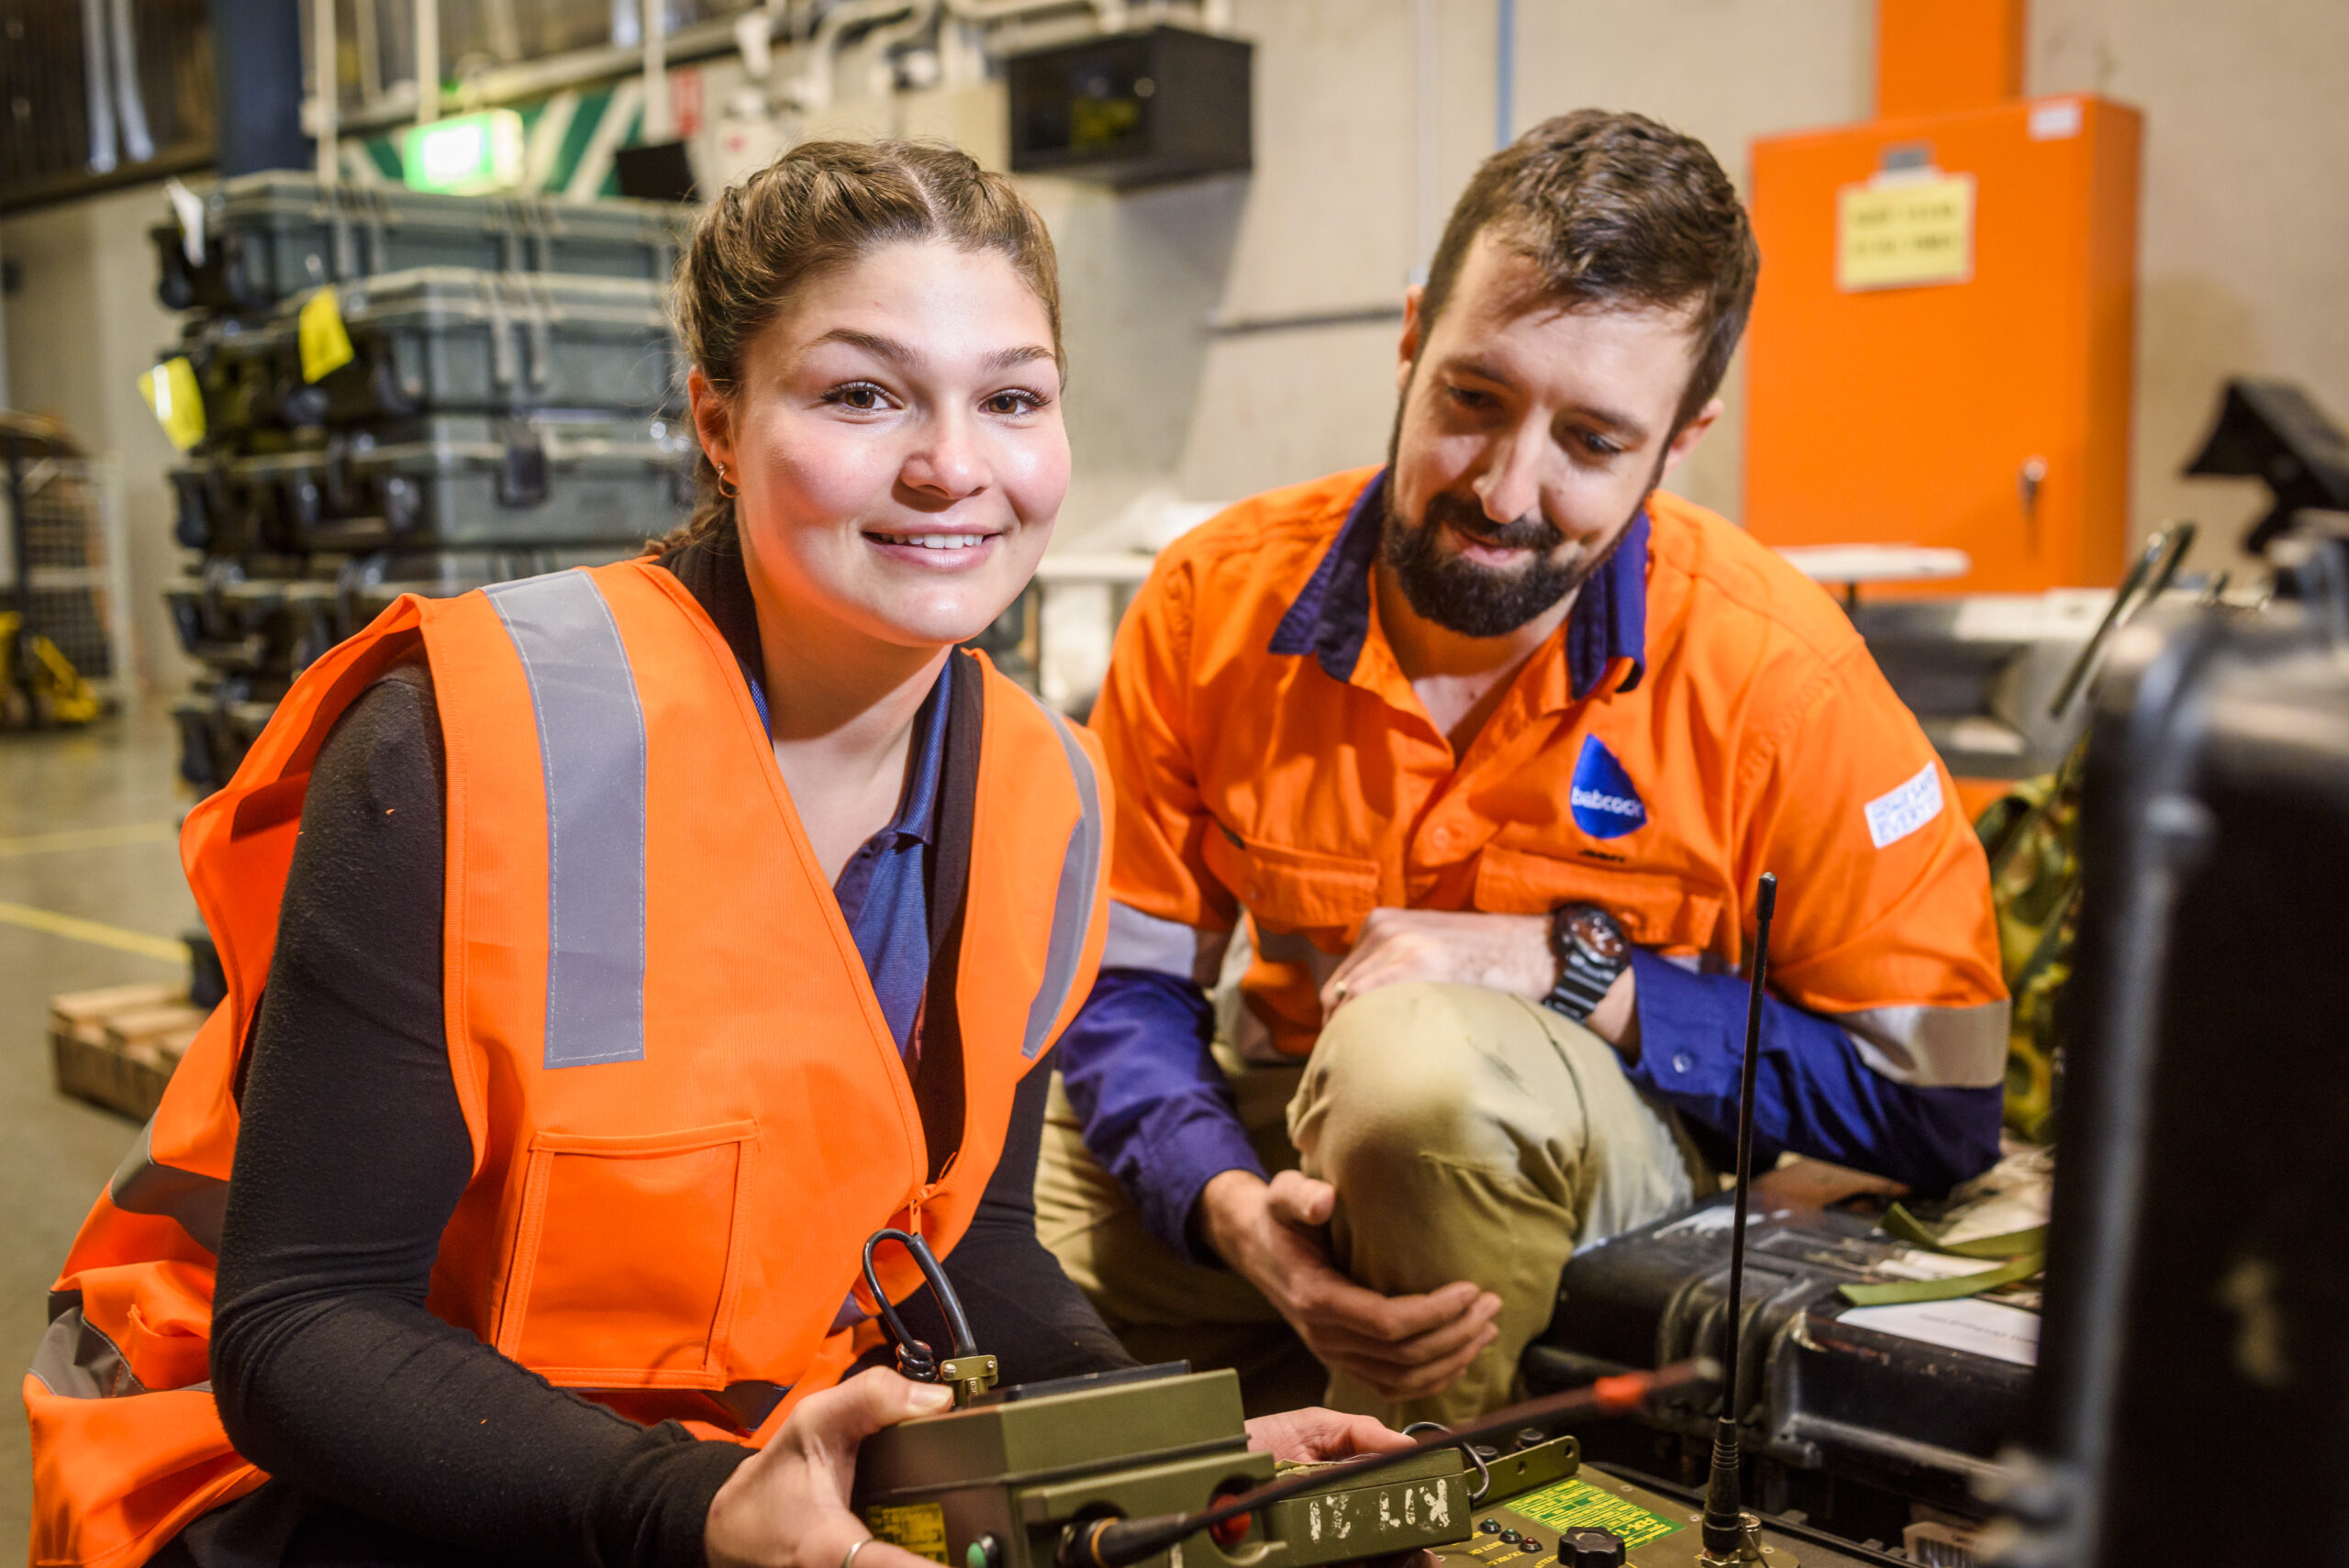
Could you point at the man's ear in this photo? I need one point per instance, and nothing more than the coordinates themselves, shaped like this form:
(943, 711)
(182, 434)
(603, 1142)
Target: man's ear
(713, 419)
(1408, 351)
(1685, 440)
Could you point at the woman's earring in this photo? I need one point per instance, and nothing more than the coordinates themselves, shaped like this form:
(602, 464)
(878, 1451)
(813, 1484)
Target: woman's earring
(728, 494)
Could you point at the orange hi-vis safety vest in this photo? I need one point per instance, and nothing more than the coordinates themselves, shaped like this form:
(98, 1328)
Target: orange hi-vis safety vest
(687, 1111)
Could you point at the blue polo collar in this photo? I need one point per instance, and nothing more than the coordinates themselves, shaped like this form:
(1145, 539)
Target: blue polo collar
(1330, 619)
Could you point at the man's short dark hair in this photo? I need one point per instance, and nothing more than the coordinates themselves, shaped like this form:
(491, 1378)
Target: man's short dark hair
(1615, 210)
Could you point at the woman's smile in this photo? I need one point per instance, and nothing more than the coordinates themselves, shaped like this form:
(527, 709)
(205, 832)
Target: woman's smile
(936, 549)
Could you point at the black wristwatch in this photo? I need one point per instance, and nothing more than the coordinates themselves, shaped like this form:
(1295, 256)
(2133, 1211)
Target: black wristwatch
(1592, 953)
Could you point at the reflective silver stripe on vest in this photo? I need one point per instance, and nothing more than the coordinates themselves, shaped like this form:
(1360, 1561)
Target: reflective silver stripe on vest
(75, 1360)
(591, 739)
(1931, 1048)
(1073, 904)
(143, 1185)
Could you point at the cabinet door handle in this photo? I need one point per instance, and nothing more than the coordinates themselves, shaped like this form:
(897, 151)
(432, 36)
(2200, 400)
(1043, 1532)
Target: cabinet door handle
(2028, 479)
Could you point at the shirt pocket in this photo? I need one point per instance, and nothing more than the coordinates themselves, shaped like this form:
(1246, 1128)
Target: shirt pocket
(1656, 909)
(626, 1261)
(1295, 890)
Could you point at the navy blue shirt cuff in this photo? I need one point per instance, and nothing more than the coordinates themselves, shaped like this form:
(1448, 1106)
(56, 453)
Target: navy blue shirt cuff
(1154, 1105)
(1186, 1154)
(1814, 1093)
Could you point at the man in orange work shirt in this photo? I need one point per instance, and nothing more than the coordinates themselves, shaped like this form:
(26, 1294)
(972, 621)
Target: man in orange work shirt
(1489, 747)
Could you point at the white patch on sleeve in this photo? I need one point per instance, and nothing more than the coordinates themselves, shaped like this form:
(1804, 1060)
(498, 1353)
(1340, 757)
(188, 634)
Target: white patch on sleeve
(1892, 816)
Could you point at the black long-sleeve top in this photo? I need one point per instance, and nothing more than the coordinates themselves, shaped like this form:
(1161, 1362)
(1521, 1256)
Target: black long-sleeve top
(390, 1435)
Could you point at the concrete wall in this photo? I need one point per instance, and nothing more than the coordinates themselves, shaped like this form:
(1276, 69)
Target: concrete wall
(2245, 233)
(81, 325)
(2245, 225)
(2243, 258)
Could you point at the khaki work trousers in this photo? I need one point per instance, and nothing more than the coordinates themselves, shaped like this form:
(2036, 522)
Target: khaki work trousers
(1470, 1134)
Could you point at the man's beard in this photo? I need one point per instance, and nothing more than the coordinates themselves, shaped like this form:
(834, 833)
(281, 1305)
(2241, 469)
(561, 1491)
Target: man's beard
(1462, 597)
(1475, 600)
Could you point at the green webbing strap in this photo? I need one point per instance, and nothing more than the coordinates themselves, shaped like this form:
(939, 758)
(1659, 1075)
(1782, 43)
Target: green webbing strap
(2025, 1252)
(1917, 1233)
(1894, 1291)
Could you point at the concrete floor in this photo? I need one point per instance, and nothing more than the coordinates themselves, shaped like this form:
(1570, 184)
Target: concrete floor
(88, 827)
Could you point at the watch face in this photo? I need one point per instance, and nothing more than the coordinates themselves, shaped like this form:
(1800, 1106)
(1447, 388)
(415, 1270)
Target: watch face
(1590, 929)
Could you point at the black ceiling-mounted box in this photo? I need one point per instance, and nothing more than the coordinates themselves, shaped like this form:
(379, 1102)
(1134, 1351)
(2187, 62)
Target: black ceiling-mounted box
(1134, 109)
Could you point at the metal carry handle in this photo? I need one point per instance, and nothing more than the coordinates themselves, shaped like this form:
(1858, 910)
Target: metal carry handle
(915, 1358)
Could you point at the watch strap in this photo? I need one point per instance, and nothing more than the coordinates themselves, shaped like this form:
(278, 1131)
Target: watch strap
(1584, 977)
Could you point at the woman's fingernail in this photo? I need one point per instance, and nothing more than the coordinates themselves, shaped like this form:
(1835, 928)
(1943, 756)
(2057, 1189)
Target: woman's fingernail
(932, 1396)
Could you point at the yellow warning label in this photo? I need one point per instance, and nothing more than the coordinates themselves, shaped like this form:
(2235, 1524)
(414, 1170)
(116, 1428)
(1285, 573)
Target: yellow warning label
(1905, 231)
(170, 391)
(920, 1528)
(325, 341)
(1578, 1505)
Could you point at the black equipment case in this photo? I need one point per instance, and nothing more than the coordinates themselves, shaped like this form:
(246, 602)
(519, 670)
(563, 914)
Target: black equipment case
(1853, 1415)
(2198, 1263)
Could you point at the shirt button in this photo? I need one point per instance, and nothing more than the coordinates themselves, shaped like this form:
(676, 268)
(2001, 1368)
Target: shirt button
(1447, 835)
(1681, 1064)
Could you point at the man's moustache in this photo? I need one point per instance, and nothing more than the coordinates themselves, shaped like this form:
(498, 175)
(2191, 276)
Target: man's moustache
(1468, 520)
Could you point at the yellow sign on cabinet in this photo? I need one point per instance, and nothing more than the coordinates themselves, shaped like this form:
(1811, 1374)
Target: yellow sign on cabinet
(1905, 231)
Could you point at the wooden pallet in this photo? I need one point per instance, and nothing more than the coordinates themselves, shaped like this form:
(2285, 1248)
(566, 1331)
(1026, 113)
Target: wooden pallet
(117, 1047)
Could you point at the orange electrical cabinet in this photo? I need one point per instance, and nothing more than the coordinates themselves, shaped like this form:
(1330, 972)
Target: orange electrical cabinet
(1940, 350)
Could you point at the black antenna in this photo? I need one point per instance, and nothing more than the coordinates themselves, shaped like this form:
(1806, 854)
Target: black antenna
(1725, 1517)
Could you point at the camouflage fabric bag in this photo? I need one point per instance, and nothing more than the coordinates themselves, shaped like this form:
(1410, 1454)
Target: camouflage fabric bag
(2031, 837)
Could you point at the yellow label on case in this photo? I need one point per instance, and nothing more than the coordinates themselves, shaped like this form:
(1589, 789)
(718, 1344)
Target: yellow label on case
(325, 341)
(920, 1528)
(170, 391)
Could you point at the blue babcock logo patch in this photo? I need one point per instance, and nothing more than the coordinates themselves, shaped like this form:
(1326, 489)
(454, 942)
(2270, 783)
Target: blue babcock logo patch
(1605, 804)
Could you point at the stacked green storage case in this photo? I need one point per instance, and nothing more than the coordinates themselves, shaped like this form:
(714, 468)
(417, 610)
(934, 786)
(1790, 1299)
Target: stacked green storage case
(511, 403)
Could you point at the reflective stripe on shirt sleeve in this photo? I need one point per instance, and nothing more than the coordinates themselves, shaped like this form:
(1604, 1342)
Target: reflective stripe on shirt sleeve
(1137, 940)
(1931, 1048)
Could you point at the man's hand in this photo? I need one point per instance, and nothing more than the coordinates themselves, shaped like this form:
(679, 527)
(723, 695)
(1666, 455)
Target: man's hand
(786, 1506)
(1403, 1346)
(1300, 1437)
(1500, 952)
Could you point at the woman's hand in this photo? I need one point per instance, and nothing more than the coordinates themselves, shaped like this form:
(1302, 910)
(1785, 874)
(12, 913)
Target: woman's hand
(1300, 1436)
(787, 1507)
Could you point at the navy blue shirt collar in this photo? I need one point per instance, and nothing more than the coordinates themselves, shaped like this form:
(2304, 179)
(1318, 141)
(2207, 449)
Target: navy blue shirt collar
(1330, 619)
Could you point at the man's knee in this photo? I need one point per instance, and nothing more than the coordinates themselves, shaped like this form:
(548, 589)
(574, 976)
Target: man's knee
(1401, 1073)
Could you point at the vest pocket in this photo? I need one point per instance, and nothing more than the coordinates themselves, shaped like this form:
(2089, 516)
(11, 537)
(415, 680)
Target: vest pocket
(624, 1269)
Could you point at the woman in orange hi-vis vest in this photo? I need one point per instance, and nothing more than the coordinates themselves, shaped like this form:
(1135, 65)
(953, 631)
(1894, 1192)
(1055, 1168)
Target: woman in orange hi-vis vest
(580, 939)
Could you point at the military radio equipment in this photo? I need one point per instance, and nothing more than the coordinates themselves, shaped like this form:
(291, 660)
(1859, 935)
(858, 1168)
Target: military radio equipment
(1150, 1467)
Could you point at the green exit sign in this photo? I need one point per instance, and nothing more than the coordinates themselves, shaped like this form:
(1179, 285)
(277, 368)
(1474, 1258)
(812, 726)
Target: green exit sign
(465, 155)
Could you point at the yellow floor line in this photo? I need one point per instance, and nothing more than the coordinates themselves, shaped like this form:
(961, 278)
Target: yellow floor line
(93, 931)
(89, 839)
